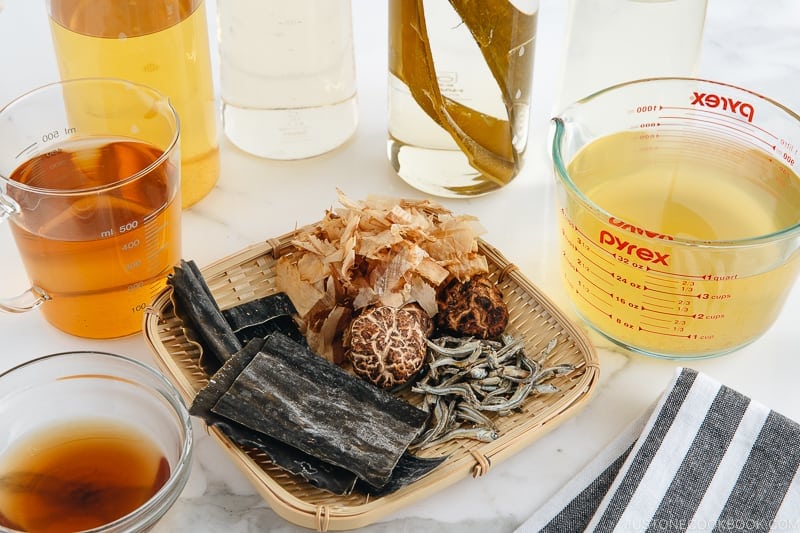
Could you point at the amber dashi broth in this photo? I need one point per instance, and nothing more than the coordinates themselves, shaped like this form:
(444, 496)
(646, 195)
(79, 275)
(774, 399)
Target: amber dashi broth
(101, 257)
(78, 475)
(157, 43)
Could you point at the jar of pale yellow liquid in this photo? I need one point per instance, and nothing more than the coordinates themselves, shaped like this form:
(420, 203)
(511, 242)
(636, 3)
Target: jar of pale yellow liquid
(159, 43)
(460, 76)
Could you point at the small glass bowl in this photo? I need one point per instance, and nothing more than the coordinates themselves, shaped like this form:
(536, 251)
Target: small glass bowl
(74, 386)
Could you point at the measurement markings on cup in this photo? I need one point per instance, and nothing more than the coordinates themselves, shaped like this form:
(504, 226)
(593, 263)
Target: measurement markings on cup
(593, 303)
(682, 271)
(738, 120)
(152, 230)
(653, 301)
(24, 152)
(592, 266)
(46, 138)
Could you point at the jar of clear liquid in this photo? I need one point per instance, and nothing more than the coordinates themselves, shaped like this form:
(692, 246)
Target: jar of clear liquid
(460, 75)
(614, 41)
(287, 74)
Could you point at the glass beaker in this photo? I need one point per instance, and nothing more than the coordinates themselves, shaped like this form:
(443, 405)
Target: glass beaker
(298, 99)
(460, 76)
(90, 183)
(159, 43)
(679, 212)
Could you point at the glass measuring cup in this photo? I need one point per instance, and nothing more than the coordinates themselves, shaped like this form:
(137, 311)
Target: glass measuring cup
(679, 213)
(90, 183)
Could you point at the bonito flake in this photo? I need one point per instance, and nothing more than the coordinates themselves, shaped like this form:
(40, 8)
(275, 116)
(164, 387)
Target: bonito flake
(380, 251)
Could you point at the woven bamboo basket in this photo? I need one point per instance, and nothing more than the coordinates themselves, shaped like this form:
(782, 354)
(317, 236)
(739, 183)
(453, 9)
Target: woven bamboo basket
(250, 274)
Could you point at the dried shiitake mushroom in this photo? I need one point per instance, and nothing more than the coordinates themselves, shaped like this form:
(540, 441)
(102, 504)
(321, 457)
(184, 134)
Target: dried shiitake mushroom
(387, 344)
(472, 307)
(378, 252)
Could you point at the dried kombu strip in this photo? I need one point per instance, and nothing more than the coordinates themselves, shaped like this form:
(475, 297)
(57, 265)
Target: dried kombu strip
(501, 31)
(224, 378)
(196, 306)
(260, 310)
(280, 324)
(222, 334)
(263, 316)
(408, 469)
(318, 473)
(293, 395)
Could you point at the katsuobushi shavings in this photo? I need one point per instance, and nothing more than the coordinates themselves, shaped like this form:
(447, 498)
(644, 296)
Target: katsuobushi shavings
(380, 251)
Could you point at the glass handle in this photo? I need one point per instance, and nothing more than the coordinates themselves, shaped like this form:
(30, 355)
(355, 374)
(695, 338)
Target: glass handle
(8, 207)
(33, 297)
(27, 301)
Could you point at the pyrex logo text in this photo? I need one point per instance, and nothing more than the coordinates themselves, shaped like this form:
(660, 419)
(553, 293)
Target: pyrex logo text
(634, 250)
(726, 102)
(621, 224)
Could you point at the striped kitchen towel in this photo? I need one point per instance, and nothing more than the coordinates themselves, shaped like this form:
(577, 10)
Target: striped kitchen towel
(706, 458)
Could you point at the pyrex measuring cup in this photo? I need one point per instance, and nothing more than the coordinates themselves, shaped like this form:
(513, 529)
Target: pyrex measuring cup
(679, 213)
(90, 183)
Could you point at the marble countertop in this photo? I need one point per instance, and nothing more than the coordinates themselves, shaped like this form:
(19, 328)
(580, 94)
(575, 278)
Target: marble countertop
(752, 44)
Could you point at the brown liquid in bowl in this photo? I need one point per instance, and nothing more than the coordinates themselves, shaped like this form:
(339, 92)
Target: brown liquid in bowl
(77, 476)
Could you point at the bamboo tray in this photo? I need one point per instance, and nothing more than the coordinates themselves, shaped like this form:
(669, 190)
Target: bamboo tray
(250, 274)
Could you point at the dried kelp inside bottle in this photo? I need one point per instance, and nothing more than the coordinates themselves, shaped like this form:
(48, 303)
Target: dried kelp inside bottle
(460, 77)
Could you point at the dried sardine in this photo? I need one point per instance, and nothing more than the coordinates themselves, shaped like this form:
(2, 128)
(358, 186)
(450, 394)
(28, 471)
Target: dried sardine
(474, 383)
(478, 433)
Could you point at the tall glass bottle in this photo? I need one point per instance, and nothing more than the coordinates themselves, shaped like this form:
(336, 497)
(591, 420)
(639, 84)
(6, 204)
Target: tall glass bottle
(460, 75)
(287, 76)
(159, 43)
(614, 41)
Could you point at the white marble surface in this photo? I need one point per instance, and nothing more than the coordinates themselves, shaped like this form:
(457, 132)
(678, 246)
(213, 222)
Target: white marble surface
(752, 44)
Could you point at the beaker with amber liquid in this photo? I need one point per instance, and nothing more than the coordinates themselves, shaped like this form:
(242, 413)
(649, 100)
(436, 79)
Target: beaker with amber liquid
(90, 186)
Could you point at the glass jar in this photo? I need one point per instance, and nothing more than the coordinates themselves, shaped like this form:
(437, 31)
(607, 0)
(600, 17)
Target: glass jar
(614, 41)
(297, 100)
(460, 76)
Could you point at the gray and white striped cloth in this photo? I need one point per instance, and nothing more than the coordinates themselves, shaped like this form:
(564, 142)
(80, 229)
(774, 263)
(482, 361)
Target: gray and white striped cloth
(706, 458)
